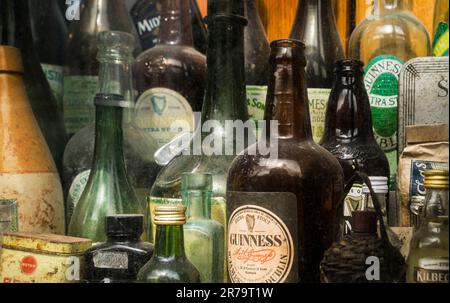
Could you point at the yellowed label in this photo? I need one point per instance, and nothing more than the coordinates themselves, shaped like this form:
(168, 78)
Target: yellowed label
(260, 246)
(27, 267)
(318, 100)
(164, 114)
(40, 203)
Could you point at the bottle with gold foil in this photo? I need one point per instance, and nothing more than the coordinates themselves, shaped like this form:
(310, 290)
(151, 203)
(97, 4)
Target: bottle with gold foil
(428, 256)
(440, 28)
(315, 25)
(28, 175)
(283, 204)
(169, 263)
(384, 41)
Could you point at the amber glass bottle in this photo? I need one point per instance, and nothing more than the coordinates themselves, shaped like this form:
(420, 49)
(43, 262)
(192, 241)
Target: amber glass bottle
(287, 200)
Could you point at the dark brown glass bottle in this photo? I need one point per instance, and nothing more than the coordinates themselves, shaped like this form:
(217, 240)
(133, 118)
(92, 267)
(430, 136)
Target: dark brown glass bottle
(282, 207)
(315, 25)
(81, 67)
(15, 30)
(348, 128)
(171, 77)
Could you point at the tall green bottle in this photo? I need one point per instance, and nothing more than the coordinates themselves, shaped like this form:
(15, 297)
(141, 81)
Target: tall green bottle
(225, 100)
(203, 237)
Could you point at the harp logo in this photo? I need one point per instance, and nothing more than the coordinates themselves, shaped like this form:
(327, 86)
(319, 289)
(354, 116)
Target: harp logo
(159, 104)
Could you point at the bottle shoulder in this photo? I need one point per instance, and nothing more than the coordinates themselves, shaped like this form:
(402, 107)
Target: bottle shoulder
(166, 52)
(169, 270)
(134, 248)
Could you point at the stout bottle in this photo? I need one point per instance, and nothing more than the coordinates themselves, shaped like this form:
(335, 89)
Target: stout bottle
(16, 31)
(257, 52)
(170, 78)
(225, 101)
(284, 202)
(146, 16)
(315, 25)
(49, 26)
(384, 41)
(81, 65)
(349, 133)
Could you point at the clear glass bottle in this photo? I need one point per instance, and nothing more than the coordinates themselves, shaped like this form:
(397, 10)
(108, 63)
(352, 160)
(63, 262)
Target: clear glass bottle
(169, 263)
(120, 258)
(225, 101)
(108, 190)
(440, 29)
(315, 25)
(81, 67)
(428, 256)
(115, 77)
(203, 237)
(384, 41)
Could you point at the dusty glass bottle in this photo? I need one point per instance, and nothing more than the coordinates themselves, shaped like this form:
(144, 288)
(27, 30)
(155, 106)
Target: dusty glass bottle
(120, 258)
(257, 52)
(349, 134)
(225, 101)
(315, 25)
(48, 24)
(428, 255)
(115, 77)
(440, 28)
(16, 31)
(203, 237)
(170, 78)
(146, 16)
(384, 41)
(169, 263)
(28, 176)
(283, 204)
(108, 190)
(80, 64)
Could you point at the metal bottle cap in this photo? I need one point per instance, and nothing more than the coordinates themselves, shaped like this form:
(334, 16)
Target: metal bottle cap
(436, 179)
(170, 214)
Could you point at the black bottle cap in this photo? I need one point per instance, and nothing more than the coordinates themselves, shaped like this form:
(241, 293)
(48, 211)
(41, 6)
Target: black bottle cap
(122, 225)
(348, 65)
(364, 222)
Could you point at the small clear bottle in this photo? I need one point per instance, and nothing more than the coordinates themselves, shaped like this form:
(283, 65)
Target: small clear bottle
(203, 237)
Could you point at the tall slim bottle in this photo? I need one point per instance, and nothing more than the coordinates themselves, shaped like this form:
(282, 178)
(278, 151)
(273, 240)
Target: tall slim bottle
(225, 101)
(170, 78)
(16, 31)
(115, 77)
(48, 24)
(257, 52)
(80, 63)
(440, 28)
(28, 175)
(282, 206)
(315, 25)
(349, 134)
(384, 41)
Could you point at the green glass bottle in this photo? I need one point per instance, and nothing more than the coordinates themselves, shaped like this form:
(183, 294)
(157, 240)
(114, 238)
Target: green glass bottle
(428, 255)
(203, 237)
(440, 28)
(108, 190)
(169, 263)
(225, 100)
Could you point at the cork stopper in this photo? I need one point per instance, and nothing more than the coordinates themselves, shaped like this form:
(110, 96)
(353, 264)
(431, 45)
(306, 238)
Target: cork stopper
(170, 214)
(10, 59)
(364, 222)
(437, 179)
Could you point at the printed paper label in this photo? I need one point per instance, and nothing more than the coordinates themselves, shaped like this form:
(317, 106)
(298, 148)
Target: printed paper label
(111, 260)
(55, 78)
(8, 216)
(164, 114)
(441, 40)
(432, 270)
(256, 101)
(352, 202)
(75, 191)
(318, 100)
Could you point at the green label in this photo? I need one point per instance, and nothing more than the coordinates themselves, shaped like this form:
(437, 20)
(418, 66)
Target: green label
(75, 191)
(164, 114)
(381, 81)
(78, 104)
(318, 100)
(256, 101)
(55, 78)
(8, 216)
(440, 41)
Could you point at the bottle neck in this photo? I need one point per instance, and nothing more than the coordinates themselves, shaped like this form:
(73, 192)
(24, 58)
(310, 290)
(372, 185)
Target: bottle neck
(15, 27)
(287, 100)
(225, 93)
(198, 203)
(169, 241)
(124, 238)
(176, 27)
(386, 6)
(97, 15)
(348, 116)
(313, 12)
